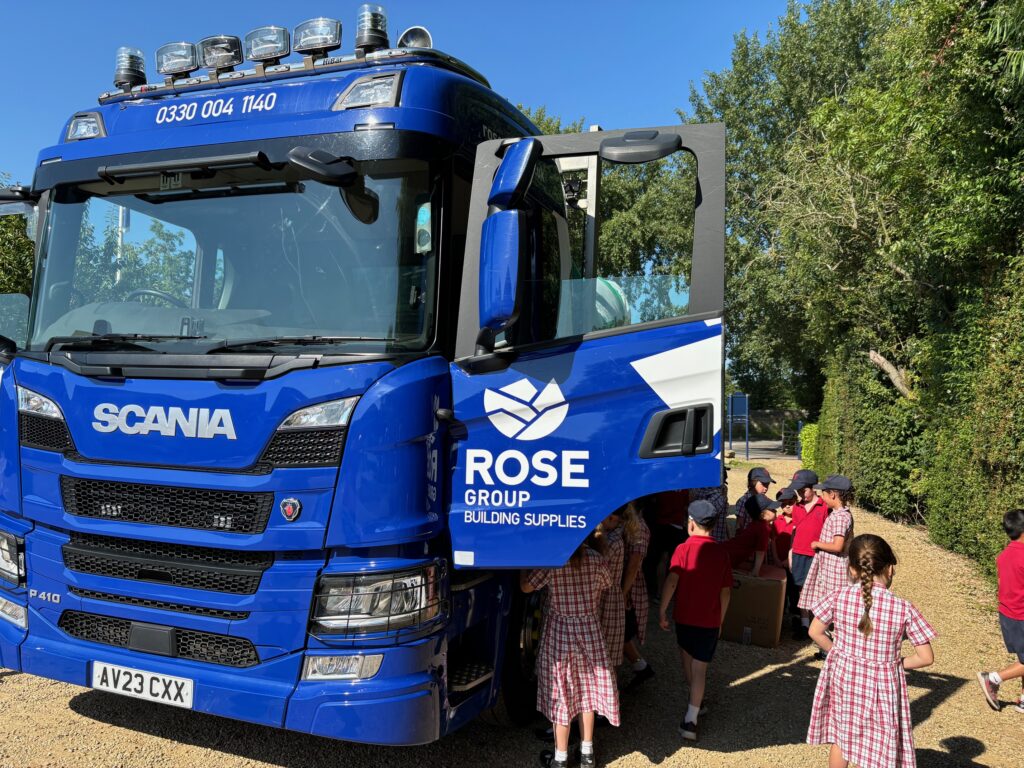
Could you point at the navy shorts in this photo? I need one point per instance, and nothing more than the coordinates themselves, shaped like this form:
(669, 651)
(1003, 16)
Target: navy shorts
(699, 642)
(1013, 635)
(801, 566)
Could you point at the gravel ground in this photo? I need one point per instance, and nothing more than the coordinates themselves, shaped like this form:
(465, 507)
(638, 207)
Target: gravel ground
(760, 702)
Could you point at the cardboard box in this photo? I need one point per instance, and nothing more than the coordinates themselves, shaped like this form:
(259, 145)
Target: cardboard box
(756, 605)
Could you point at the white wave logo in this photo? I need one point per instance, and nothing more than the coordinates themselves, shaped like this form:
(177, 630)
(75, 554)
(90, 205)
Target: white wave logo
(518, 411)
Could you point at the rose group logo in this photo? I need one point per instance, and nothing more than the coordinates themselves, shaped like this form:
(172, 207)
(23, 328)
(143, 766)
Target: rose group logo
(519, 412)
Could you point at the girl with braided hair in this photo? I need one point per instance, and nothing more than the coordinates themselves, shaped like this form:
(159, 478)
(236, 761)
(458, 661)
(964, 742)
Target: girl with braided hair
(860, 705)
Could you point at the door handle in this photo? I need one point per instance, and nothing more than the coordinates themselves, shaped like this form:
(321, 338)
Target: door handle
(679, 432)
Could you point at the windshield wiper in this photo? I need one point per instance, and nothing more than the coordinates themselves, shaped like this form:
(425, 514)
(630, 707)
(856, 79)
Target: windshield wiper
(112, 338)
(282, 341)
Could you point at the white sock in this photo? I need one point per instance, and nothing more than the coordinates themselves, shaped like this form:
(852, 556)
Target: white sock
(561, 756)
(691, 713)
(640, 665)
(805, 622)
(995, 678)
(586, 747)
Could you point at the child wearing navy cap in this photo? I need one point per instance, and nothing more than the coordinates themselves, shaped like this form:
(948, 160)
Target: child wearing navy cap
(700, 578)
(830, 568)
(754, 541)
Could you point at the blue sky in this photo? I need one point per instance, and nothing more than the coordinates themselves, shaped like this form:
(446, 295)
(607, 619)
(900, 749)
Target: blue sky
(620, 64)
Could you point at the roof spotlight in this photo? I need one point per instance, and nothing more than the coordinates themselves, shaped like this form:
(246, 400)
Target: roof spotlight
(129, 68)
(177, 59)
(268, 44)
(221, 53)
(371, 28)
(416, 37)
(317, 36)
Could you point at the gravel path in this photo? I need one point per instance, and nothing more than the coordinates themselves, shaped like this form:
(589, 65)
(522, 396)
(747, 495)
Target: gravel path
(760, 701)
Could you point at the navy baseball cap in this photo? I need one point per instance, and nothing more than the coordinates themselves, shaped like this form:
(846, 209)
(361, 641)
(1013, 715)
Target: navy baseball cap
(786, 494)
(702, 512)
(760, 474)
(758, 503)
(804, 478)
(835, 483)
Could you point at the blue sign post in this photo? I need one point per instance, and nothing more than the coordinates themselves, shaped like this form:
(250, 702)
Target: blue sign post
(739, 413)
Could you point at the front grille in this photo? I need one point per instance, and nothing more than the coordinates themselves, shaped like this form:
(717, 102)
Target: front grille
(188, 643)
(160, 605)
(305, 448)
(214, 570)
(199, 508)
(37, 431)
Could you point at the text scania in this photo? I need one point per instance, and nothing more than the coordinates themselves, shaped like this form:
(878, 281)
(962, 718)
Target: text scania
(136, 420)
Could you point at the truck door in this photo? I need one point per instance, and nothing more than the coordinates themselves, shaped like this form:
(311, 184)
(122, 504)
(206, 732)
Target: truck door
(588, 370)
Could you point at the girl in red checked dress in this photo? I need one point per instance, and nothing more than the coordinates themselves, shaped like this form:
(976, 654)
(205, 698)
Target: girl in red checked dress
(574, 678)
(829, 570)
(637, 538)
(860, 705)
(613, 605)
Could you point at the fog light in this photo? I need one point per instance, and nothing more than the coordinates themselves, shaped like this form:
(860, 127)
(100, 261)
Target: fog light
(179, 59)
(268, 44)
(220, 52)
(352, 667)
(317, 36)
(17, 615)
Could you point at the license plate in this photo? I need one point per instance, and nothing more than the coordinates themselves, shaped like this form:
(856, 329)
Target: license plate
(176, 691)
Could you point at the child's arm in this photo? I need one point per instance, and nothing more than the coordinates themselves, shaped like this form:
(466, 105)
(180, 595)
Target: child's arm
(758, 562)
(923, 657)
(632, 569)
(671, 580)
(524, 582)
(835, 546)
(726, 594)
(817, 634)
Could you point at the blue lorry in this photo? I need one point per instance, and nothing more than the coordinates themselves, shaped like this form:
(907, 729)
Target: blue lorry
(318, 353)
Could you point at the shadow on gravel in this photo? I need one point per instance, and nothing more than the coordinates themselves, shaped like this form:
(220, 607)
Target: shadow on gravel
(961, 751)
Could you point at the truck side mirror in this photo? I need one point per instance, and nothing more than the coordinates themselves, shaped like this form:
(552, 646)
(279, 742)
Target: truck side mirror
(504, 240)
(13, 322)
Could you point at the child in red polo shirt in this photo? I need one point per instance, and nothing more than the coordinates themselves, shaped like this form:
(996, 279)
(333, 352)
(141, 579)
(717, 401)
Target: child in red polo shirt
(809, 515)
(782, 540)
(1010, 565)
(754, 540)
(700, 577)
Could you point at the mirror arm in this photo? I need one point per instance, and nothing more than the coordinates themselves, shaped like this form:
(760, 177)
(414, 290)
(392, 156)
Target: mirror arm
(18, 194)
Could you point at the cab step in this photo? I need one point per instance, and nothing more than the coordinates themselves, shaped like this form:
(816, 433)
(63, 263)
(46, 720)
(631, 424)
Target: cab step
(465, 676)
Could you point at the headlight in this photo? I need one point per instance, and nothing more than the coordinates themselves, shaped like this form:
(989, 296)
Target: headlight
(85, 126)
(335, 413)
(12, 559)
(378, 602)
(350, 667)
(33, 402)
(14, 613)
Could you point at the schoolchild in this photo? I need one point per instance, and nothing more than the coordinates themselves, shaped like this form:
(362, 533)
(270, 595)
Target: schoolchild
(613, 605)
(1010, 566)
(754, 541)
(718, 495)
(758, 481)
(700, 580)
(782, 542)
(829, 570)
(809, 515)
(574, 678)
(637, 538)
(861, 705)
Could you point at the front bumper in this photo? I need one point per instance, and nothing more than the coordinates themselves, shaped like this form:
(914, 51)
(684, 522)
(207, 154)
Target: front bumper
(400, 705)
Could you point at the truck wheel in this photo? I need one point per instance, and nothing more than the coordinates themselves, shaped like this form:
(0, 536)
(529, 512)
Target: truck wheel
(517, 703)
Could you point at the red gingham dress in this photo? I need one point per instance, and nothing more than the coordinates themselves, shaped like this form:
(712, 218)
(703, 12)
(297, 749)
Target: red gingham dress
(828, 572)
(637, 599)
(573, 674)
(861, 701)
(721, 532)
(613, 606)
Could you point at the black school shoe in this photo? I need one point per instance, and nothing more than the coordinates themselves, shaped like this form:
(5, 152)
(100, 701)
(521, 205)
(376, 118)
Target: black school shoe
(588, 761)
(688, 731)
(640, 677)
(547, 760)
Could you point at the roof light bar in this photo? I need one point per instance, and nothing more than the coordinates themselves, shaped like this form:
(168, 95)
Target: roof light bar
(268, 44)
(177, 59)
(317, 36)
(221, 53)
(371, 28)
(416, 37)
(129, 68)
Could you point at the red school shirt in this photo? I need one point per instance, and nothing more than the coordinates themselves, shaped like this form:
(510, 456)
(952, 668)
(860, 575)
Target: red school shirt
(752, 539)
(783, 529)
(703, 567)
(807, 525)
(1010, 564)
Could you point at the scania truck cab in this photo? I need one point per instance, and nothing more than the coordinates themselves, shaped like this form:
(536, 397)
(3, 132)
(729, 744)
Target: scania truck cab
(320, 352)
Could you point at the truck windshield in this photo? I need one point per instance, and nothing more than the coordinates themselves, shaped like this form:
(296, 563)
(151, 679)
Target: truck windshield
(239, 259)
